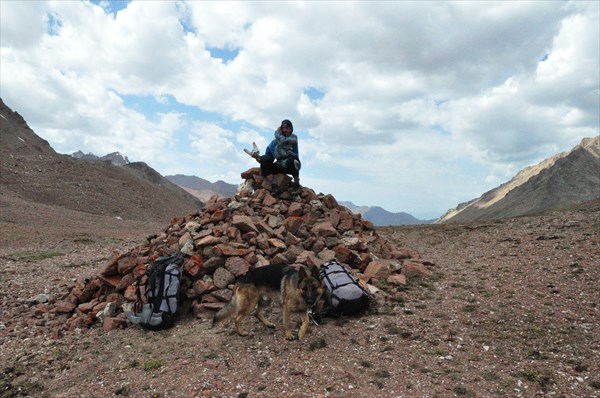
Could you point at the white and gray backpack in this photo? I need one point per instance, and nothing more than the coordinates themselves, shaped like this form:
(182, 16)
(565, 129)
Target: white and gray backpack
(161, 281)
(344, 296)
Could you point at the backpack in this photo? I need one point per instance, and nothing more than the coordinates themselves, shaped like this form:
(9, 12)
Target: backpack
(161, 281)
(344, 296)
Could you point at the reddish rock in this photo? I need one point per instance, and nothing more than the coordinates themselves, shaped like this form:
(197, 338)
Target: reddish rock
(334, 218)
(193, 267)
(125, 282)
(64, 307)
(342, 254)
(378, 269)
(222, 277)
(279, 259)
(276, 243)
(270, 201)
(126, 264)
(185, 238)
(402, 254)
(112, 323)
(231, 250)
(130, 293)
(86, 307)
(222, 294)
(324, 229)
(111, 280)
(329, 201)
(86, 293)
(201, 287)
(248, 174)
(413, 268)
(237, 265)
(208, 241)
(213, 263)
(206, 311)
(293, 224)
(244, 223)
(115, 298)
(346, 222)
(366, 224)
(309, 259)
(295, 210)
(139, 270)
(397, 279)
(219, 215)
(265, 228)
(110, 268)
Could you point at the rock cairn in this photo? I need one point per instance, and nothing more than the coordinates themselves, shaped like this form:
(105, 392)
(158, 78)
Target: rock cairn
(230, 236)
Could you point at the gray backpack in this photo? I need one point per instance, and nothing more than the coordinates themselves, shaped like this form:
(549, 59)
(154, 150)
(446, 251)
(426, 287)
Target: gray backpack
(344, 296)
(162, 287)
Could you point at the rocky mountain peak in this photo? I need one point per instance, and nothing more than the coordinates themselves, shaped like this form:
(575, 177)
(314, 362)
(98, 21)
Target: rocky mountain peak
(567, 178)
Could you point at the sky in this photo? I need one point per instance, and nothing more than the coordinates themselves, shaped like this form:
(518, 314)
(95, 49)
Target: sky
(411, 106)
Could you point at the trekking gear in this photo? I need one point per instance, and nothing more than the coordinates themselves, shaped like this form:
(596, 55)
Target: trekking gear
(161, 283)
(344, 296)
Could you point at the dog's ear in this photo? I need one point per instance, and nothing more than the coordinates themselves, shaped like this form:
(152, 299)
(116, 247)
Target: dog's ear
(315, 272)
(303, 272)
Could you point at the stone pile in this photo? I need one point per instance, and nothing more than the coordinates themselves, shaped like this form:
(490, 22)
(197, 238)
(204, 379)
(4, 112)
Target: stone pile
(233, 235)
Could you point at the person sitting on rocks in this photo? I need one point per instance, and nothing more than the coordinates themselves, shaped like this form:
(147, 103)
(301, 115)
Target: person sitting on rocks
(281, 155)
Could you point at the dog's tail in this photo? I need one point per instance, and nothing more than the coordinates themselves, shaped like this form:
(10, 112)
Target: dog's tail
(226, 311)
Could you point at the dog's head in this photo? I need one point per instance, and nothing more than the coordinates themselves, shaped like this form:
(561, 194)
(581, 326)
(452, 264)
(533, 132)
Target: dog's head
(310, 287)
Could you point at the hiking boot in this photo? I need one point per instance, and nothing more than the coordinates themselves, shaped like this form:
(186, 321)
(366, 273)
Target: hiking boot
(254, 153)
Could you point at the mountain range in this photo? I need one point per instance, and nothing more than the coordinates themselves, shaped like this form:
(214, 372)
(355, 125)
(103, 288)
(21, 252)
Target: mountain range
(562, 180)
(381, 217)
(115, 158)
(204, 189)
(32, 172)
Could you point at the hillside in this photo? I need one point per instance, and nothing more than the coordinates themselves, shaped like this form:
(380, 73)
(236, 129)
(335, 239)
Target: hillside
(32, 171)
(559, 181)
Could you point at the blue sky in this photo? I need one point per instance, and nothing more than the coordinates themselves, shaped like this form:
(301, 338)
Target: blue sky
(411, 106)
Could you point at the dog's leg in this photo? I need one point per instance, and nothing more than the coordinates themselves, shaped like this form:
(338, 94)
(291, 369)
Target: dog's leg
(263, 302)
(287, 322)
(304, 327)
(244, 305)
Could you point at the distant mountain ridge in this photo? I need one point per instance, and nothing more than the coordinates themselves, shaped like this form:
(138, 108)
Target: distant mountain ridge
(565, 179)
(203, 189)
(381, 217)
(115, 158)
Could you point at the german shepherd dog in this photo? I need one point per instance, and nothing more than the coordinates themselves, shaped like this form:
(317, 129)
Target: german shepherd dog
(300, 290)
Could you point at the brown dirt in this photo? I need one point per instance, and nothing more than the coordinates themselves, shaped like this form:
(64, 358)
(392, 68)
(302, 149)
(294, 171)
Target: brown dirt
(510, 310)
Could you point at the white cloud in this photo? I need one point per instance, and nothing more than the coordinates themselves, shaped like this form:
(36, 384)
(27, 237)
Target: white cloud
(436, 100)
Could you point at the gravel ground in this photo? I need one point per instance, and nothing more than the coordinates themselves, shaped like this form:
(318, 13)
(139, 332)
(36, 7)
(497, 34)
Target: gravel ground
(511, 309)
